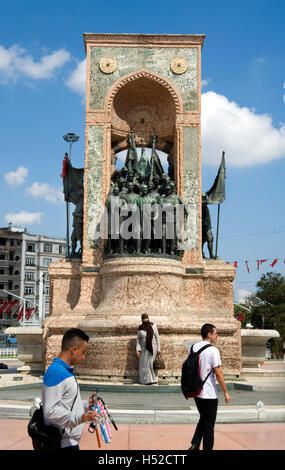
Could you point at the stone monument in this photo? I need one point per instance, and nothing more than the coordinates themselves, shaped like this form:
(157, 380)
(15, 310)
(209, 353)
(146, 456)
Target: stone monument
(142, 90)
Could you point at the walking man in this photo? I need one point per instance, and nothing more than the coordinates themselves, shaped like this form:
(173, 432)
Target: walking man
(62, 405)
(207, 400)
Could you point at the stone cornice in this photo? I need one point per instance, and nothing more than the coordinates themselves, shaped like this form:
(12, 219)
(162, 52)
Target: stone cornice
(148, 40)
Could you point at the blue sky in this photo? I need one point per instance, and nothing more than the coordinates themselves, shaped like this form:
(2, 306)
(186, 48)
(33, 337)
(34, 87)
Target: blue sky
(243, 102)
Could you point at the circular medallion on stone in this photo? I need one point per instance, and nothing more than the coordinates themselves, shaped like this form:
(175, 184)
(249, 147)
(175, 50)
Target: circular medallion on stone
(179, 65)
(108, 65)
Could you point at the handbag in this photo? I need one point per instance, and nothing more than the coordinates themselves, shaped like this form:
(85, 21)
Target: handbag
(158, 363)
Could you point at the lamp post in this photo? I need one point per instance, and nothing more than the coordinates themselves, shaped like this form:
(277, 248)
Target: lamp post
(70, 137)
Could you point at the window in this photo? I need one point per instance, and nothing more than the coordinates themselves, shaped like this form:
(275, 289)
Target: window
(2, 271)
(47, 247)
(28, 290)
(2, 285)
(30, 247)
(29, 276)
(46, 291)
(2, 257)
(30, 261)
(2, 242)
(47, 261)
(61, 249)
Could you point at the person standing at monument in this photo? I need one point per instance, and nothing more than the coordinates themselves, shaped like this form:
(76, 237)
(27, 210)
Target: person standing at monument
(147, 346)
(62, 405)
(207, 400)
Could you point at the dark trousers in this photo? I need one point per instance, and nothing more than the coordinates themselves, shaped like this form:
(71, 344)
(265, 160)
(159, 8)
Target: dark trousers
(207, 408)
(70, 448)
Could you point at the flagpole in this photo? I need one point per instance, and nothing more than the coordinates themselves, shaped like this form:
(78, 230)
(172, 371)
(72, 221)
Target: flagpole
(217, 235)
(69, 137)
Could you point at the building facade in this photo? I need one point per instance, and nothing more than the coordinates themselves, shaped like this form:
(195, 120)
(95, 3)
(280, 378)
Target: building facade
(24, 262)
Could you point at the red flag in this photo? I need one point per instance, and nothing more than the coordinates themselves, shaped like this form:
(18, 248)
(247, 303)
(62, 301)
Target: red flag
(20, 316)
(29, 312)
(64, 166)
(274, 262)
(246, 262)
(263, 260)
(258, 265)
(235, 264)
(12, 304)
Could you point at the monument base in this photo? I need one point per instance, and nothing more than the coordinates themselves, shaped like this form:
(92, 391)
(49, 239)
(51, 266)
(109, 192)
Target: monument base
(107, 303)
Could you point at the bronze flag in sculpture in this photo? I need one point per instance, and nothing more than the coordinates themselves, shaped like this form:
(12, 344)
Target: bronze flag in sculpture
(217, 193)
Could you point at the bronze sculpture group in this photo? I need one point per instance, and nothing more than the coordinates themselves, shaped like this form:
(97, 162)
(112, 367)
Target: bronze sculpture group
(145, 215)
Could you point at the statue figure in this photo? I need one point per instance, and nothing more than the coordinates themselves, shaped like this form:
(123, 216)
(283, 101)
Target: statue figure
(156, 168)
(77, 233)
(131, 210)
(115, 242)
(115, 178)
(132, 158)
(172, 220)
(148, 214)
(144, 166)
(165, 180)
(153, 193)
(207, 235)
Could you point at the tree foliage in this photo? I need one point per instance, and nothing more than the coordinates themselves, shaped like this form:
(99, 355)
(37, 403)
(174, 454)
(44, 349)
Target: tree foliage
(268, 307)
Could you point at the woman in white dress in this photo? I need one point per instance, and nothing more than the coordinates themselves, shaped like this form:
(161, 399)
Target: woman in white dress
(147, 346)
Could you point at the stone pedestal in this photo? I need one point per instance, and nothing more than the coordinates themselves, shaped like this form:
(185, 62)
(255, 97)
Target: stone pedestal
(30, 348)
(108, 303)
(254, 346)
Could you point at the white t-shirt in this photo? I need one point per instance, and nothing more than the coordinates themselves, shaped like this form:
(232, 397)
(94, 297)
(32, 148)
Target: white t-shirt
(209, 358)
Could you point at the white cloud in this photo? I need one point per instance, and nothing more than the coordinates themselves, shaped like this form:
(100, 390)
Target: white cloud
(45, 67)
(77, 80)
(24, 218)
(18, 177)
(246, 137)
(46, 192)
(242, 295)
(15, 62)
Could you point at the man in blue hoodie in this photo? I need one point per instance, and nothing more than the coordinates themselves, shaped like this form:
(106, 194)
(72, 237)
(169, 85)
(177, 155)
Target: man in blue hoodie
(62, 405)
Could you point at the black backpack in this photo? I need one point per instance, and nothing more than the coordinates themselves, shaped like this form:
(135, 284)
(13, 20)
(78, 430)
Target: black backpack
(191, 382)
(44, 437)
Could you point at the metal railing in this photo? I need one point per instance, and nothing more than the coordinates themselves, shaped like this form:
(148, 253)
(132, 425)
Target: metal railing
(8, 353)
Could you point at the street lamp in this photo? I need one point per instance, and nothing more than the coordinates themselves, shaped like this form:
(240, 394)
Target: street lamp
(70, 137)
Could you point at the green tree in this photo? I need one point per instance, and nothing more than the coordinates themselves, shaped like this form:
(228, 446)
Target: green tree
(268, 307)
